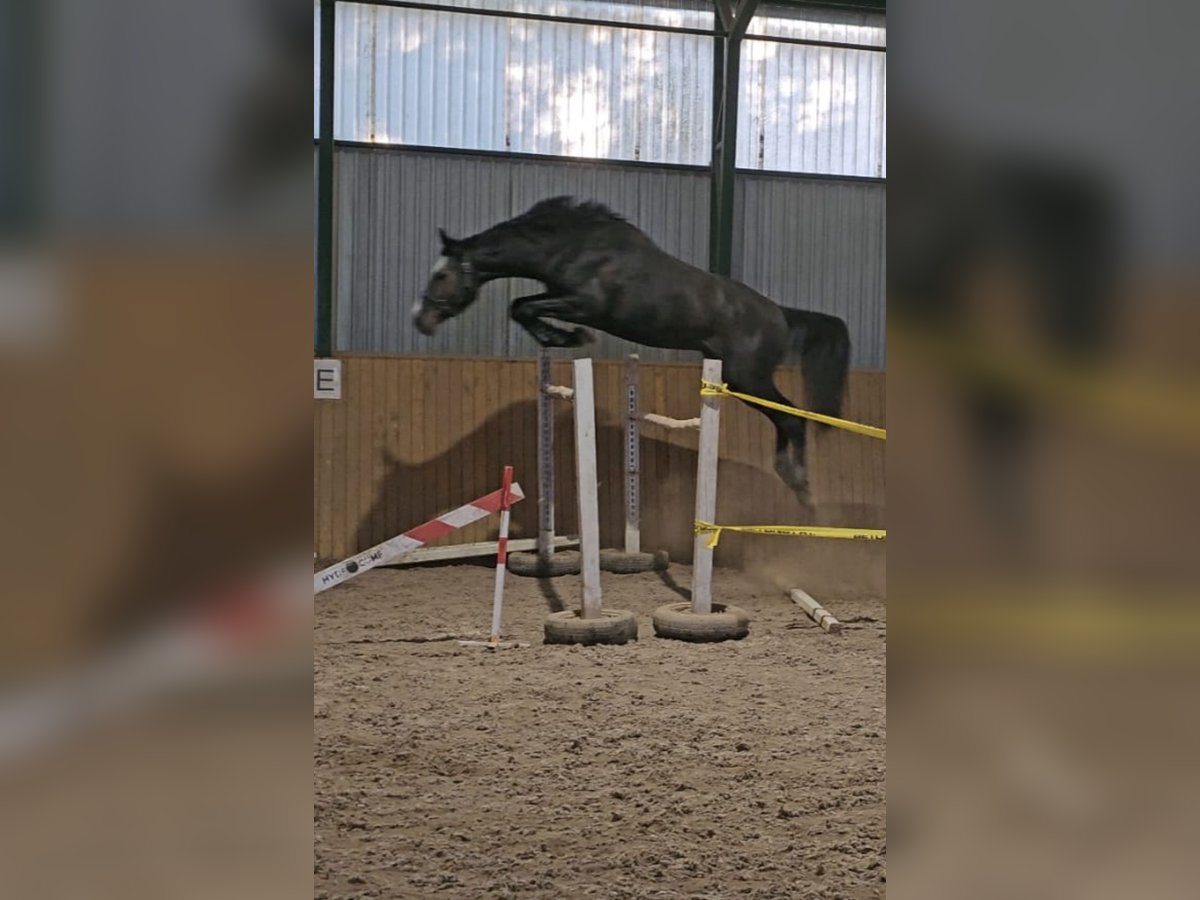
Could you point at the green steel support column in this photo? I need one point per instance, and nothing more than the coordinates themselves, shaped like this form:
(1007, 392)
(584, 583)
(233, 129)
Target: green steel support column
(714, 191)
(323, 345)
(25, 29)
(726, 66)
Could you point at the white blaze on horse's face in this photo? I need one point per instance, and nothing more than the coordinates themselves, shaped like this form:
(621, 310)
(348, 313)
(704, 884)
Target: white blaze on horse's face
(443, 298)
(442, 263)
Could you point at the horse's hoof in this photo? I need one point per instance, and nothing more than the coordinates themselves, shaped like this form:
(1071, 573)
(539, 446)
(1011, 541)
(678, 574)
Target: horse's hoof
(576, 337)
(793, 475)
(581, 337)
(800, 487)
(557, 339)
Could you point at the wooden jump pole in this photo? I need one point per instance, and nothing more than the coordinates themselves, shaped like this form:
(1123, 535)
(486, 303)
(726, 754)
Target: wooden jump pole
(668, 422)
(706, 490)
(562, 393)
(545, 451)
(815, 611)
(633, 433)
(589, 505)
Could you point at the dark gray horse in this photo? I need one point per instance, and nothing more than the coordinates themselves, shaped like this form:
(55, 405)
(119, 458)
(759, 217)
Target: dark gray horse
(602, 272)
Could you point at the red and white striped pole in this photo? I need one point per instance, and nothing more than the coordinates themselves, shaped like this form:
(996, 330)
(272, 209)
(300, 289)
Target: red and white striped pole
(395, 548)
(501, 554)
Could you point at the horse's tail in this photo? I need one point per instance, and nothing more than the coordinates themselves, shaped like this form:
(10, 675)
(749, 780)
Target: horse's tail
(823, 343)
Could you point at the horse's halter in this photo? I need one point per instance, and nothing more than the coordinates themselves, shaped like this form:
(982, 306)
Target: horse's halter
(467, 289)
(470, 279)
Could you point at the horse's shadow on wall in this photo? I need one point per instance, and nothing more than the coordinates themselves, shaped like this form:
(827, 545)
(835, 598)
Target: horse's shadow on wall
(412, 492)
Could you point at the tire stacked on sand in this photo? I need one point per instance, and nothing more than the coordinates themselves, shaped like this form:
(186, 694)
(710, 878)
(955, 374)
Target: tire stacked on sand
(621, 563)
(612, 626)
(568, 562)
(564, 562)
(725, 623)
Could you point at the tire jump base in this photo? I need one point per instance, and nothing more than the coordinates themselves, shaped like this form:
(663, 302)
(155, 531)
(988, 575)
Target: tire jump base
(612, 626)
(676, 621)
(621, 563)
(569, 562)
(564, 562)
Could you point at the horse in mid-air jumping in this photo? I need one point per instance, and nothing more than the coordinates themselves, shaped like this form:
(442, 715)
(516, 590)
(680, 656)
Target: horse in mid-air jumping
(601, 272)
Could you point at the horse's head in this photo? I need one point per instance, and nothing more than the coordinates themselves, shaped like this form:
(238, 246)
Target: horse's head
(453, 286)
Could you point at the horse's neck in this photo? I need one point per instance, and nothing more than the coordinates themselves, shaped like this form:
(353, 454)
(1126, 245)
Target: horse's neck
(501, 253)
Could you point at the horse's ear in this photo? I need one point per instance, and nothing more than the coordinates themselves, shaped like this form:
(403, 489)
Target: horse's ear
(448, 243)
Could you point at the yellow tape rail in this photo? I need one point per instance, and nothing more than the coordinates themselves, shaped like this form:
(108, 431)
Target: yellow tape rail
(1124, 397)
(712, 389)
(819, 531)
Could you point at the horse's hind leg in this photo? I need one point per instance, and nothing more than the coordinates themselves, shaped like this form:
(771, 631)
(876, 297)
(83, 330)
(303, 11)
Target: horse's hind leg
(790, 434)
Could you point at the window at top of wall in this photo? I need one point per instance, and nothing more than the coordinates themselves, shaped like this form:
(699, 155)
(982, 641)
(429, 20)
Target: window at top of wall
(815, 23)
(483, 82)
(670, 13)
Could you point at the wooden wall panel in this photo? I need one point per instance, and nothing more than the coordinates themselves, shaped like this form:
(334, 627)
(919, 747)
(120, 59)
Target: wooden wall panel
(414, 437)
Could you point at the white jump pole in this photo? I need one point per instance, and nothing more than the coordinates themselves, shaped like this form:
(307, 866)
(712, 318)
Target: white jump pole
(706, 490)
(545, 451)
(633, 420)
(589, 504)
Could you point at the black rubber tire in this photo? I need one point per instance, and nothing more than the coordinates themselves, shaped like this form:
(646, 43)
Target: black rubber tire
(621, 563)
(677, 622)
(564, 562)
(614, 626)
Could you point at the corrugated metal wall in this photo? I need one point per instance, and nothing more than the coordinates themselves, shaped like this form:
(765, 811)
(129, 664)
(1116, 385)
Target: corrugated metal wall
(391, 203)
(817, 244)
(808, 243)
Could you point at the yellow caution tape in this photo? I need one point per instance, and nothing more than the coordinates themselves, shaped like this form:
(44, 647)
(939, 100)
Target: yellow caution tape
(1058, 621)
(1119, 396)
(819, 531)
(712, 389)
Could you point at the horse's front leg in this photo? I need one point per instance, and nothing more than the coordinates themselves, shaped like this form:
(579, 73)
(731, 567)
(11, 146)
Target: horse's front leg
(530, 312)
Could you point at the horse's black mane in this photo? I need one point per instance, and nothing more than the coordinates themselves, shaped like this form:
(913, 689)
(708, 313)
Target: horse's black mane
(561, 215)
(569, 208)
